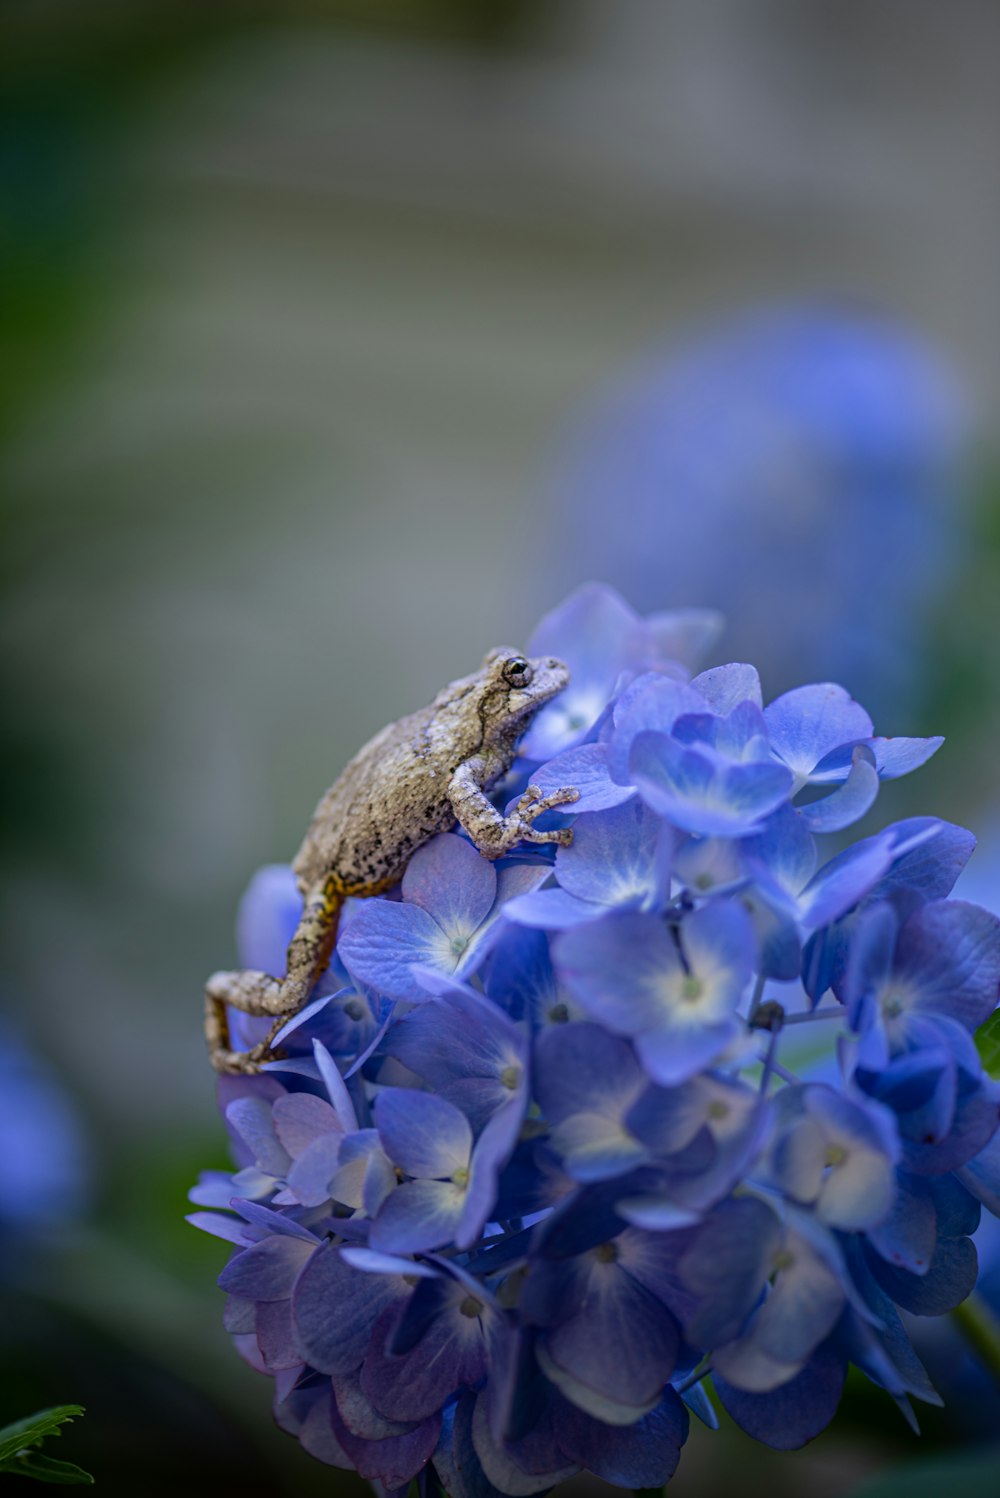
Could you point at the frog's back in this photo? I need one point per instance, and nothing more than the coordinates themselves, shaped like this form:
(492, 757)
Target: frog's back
(390, 798)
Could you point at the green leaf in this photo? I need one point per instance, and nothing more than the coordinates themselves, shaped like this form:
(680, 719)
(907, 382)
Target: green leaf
(988, 1042)
(48, 1469)
(19, 1440)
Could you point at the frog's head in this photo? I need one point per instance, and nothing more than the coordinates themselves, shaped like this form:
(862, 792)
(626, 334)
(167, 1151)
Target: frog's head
(514, 687)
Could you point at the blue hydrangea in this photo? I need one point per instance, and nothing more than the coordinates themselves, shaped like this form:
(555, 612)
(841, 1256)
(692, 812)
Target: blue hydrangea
(538, 1164)
(774, 461)
(47, 1163)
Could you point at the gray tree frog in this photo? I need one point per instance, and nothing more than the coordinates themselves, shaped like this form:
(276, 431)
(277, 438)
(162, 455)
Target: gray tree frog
(416, 778)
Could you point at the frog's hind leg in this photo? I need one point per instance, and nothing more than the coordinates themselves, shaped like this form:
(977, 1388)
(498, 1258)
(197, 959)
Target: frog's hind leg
(261, 994)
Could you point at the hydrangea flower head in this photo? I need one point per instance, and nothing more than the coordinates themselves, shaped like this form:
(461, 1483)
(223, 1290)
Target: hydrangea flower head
(775, 459)
(537, 1161)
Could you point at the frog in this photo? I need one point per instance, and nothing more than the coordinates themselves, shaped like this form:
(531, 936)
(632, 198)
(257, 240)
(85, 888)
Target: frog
(420, 776)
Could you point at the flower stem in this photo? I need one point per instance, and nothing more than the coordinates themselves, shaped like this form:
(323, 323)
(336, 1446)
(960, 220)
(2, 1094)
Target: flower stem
(981, 1330)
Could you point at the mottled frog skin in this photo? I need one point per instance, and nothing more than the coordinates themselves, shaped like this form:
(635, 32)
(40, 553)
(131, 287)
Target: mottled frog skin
(418, 777)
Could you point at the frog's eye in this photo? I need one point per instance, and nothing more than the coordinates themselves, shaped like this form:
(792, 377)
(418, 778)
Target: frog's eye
(517, 671)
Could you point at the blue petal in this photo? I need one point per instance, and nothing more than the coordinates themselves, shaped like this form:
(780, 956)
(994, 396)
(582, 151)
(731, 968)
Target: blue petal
(849, 801)
(928, 857)
(615, 968)
(251, 1118)
(726, 1267)
(981, 1175)
(311, 1176)
(269, 912)
(842, 882)
(701, 795)
(791, 1415)
(650, 703)
(579, 1066)
(896, 757)
(591, 631)
(949, 952)
(453, 882)
(643, 1455)
(784, 851)
(585, 770)
(810, 722)
(466, 1048)
(552, 910)
(423, 1134)
(621, 1346)
(417, 1216)
(618, 857)
(724, 687)
(674, 636)
(382, 941)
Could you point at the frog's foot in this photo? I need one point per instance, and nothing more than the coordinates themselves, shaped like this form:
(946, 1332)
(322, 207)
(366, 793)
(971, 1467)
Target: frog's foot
(253, 993)
(532, 804)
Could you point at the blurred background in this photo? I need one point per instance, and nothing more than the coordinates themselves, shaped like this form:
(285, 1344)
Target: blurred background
(340, 340)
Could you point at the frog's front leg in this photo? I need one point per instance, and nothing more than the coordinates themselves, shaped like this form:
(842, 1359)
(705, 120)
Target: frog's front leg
(261, 994)
(493, 833)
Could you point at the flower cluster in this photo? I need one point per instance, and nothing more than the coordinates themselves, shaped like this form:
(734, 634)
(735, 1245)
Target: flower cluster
(550, 1148)
(774, 459)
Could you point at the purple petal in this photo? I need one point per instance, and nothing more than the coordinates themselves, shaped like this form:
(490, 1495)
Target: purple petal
(394, 1462)
(269, 1221)
(266, 1270)
(450, 1356)
(299, 1118)
(335, 1308)
(274, 1335)
(229, 1228)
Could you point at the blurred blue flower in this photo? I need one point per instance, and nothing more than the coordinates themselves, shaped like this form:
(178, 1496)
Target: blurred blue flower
(797, 465)
(565, 1170)
(47, 1165)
